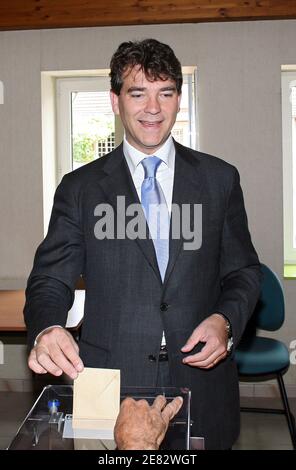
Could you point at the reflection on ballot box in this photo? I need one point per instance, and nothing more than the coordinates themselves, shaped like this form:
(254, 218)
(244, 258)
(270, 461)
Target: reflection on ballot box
(48, 424)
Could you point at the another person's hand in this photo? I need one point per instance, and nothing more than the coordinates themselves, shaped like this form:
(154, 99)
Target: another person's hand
(56, 352)
(140, 426)
(211, 331)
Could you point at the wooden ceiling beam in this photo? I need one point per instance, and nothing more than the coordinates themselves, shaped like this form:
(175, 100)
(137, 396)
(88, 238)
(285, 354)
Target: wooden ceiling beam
(42, 14)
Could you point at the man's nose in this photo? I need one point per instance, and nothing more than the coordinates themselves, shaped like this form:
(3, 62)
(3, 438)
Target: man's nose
(152, 105)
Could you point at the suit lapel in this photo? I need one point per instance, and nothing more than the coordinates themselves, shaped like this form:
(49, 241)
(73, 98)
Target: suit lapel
(187, 189)
(118, 182)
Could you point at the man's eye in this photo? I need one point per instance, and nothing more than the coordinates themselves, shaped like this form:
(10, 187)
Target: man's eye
(136, 95)
(167, 95)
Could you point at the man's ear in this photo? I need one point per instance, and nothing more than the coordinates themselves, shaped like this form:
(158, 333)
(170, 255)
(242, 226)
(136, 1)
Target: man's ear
(179, 101)
(114, 102)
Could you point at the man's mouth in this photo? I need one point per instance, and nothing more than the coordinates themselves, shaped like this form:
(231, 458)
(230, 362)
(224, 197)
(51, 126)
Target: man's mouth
(150, 124)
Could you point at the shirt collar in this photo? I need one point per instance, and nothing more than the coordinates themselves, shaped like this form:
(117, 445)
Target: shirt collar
(133, 156)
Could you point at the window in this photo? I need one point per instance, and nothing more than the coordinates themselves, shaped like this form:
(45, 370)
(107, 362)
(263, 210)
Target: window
(289, 163)
(78, 124)
(88, 129)
(86, 123)
(184, 130)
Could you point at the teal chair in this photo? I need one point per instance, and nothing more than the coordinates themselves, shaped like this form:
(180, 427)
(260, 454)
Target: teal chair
(261, 358)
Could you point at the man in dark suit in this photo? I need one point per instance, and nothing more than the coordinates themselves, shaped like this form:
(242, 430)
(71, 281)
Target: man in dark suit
(163, 312)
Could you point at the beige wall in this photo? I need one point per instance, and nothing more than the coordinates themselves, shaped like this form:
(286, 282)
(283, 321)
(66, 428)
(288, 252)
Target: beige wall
(239, 113)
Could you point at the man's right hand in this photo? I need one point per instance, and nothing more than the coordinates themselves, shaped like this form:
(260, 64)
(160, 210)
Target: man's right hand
(56, 352)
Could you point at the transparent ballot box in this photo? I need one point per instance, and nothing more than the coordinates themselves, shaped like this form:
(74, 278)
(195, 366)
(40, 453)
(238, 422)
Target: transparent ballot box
(48, 424)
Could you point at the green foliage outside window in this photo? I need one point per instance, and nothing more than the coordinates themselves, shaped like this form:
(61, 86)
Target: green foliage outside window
(85, 143)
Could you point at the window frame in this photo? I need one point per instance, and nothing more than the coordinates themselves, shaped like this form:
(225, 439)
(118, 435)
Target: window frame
(289, 167)
(64, 90)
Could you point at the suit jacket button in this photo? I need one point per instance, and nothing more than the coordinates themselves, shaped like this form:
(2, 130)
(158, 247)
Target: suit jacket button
(163, 307)
(152, 358)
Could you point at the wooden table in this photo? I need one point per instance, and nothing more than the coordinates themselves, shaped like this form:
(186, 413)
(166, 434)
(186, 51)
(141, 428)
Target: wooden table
(11, 310)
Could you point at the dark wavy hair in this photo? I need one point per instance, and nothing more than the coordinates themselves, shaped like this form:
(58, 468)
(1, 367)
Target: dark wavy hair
(156, 60)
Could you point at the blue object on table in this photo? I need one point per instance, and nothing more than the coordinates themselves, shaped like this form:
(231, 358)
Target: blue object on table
(53, 405)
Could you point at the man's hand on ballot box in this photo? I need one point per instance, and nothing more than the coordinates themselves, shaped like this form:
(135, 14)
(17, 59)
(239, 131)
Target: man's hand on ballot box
(56, 352)
(140, 426)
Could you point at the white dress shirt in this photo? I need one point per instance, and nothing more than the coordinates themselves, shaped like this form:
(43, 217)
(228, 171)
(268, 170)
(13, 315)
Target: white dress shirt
(165, 172)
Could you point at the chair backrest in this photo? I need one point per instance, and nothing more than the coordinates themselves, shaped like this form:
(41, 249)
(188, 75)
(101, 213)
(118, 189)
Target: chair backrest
(269, 313)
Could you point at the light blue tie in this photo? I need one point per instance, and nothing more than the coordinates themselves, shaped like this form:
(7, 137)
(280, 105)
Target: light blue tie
(156, 212)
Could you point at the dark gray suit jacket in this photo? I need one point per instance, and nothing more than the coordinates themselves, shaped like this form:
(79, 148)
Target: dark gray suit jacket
(127, 306)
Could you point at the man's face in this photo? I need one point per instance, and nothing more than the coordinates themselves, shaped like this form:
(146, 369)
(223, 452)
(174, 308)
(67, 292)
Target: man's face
(147, 109)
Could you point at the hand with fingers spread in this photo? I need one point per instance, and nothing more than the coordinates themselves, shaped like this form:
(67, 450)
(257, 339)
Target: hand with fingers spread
(56, 352)
(212, 331)
(140, 426)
